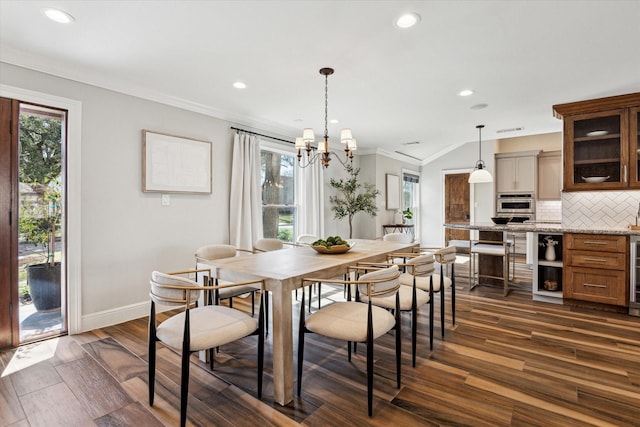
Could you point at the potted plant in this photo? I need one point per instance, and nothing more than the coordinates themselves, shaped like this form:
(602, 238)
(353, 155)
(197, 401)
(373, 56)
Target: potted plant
(38, 224)
(350, 200)
(406, 215)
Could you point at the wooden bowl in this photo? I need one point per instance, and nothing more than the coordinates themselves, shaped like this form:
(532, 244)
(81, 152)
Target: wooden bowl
(335, 249)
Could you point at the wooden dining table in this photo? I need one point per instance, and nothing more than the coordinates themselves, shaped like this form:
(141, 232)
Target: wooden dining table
(283, 271)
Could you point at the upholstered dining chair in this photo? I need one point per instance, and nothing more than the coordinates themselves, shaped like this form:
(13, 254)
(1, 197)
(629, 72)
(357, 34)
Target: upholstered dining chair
(398, 237)
(266, 245)
(411, 298)
(206, 254)
(306, 240)
(354, 321)
(197, 328)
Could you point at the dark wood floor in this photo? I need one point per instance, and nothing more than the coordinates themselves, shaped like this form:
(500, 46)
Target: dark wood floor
(507, 361)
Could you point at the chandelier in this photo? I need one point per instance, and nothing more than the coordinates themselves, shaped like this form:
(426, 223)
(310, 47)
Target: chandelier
(322, 152)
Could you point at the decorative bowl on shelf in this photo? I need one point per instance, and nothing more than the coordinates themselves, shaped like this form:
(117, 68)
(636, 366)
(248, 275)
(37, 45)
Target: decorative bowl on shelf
(501, 220)
(335, 249)
(595, 179)
(550, 285)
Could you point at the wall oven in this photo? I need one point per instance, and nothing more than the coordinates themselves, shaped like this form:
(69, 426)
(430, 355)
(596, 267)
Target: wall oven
(514, 205)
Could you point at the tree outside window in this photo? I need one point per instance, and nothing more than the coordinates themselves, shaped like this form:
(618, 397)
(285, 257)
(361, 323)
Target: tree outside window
(278, 195)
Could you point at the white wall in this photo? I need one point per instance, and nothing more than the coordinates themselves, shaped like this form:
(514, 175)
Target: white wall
(127, 233)
(432, 190)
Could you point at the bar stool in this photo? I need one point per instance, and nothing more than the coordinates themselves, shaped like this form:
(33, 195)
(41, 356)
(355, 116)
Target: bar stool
(491, 248)
(447, 256)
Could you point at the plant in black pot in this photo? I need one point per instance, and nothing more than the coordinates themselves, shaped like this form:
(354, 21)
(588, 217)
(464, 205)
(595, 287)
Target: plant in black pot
(39, 224)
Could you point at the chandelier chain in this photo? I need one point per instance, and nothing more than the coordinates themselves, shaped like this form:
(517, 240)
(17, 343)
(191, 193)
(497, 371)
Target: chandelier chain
(326, 106)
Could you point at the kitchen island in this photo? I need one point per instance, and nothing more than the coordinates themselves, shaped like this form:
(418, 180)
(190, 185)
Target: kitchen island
(591, 265)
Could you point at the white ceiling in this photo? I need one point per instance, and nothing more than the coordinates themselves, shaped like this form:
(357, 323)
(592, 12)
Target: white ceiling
(391, 86)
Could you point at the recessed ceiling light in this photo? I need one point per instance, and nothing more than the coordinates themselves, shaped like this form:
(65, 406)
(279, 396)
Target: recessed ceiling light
(465, 92)
(334, 121)
(407, 20)
(58, 15)
(240, 85)
(479, 106)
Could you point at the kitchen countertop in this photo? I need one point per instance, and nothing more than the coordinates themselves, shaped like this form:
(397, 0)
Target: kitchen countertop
(540, 228)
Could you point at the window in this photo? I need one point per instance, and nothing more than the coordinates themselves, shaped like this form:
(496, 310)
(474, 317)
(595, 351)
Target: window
(279, 211)
(411, 196)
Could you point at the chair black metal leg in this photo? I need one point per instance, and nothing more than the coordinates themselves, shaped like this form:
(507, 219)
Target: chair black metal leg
(399, 341)
(301, 344)
(414, 325)
(310, 296)
(184, 382)
(453, 294)
(211, 358)
(260, 349)
(370, 362)
(152, 352)
(431, 316)
(442, 300)
(253, 304)
(319, 294)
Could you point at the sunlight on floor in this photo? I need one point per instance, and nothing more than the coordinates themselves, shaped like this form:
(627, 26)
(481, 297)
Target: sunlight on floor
(30, 355)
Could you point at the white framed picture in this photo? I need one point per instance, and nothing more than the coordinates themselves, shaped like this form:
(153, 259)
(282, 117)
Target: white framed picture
(392, 191)
(175, 164)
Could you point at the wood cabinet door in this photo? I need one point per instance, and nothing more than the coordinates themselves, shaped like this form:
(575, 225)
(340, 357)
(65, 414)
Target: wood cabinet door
(549, 175)
(505, 175)
(602, 286)
(634, 147)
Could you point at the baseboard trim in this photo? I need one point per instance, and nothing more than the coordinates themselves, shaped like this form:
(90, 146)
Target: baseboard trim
(114, 316)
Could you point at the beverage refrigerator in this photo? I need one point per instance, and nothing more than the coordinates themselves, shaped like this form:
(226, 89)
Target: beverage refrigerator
(634, 282)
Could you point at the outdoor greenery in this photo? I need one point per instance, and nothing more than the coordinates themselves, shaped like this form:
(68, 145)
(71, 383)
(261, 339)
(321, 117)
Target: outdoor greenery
(41, 168)
(407, 214)
(352, 197)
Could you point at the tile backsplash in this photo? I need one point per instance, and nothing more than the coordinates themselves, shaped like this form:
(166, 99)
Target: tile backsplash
(548, 210)
(599, 209)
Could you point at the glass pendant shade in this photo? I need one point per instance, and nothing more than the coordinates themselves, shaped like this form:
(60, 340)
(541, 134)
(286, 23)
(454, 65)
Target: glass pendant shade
(479, 176)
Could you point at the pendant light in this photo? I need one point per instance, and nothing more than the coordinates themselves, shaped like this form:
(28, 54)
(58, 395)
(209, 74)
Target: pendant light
(480, 174)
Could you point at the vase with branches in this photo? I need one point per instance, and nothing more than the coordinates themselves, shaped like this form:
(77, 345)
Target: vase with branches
(353, 197)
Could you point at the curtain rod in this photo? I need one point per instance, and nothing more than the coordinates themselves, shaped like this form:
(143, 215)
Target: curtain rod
(259, 134)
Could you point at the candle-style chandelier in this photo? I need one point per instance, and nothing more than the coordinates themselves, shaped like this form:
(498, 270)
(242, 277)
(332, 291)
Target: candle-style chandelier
(322, 152)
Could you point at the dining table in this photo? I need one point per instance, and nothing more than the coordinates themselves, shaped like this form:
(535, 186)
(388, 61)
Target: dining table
(283, 271)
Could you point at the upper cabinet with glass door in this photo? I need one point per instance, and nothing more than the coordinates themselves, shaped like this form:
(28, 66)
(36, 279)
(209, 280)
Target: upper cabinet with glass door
(601, 143)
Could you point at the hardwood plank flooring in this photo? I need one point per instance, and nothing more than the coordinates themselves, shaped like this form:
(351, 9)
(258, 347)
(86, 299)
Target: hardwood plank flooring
(507, 361)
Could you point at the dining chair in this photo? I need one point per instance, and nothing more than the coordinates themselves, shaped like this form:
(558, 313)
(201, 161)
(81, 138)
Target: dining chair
(206, 254)
(354, 321)
(411, 298)
(398, 237)
(197, 328)
(307, 240)
(267, 244)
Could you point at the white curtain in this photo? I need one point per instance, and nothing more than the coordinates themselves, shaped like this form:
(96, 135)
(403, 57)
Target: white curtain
(245, 202)
(311, 200)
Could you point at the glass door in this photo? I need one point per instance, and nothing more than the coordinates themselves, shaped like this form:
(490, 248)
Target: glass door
(597, 155)
(634, 147)
(41, 254)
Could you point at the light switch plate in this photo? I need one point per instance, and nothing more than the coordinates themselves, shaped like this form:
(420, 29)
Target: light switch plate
(166, 200)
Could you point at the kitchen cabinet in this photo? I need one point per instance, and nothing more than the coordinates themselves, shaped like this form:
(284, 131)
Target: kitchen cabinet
(516, 172)
(549, 175)
(596, 268)
(601, 143)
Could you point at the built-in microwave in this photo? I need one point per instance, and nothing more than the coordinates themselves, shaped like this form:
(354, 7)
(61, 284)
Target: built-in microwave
(514, 204)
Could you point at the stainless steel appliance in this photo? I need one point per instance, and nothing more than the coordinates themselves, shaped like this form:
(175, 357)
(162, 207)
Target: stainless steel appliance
(516, 205)
(634, 282)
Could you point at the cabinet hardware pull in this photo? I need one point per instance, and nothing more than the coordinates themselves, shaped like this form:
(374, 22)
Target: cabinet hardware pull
(595, 259)
(625, 173)
(593, 285)
(594, 242)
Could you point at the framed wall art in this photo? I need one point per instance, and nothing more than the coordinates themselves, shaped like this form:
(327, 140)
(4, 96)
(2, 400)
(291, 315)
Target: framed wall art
(175, 164)
(392, 191)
